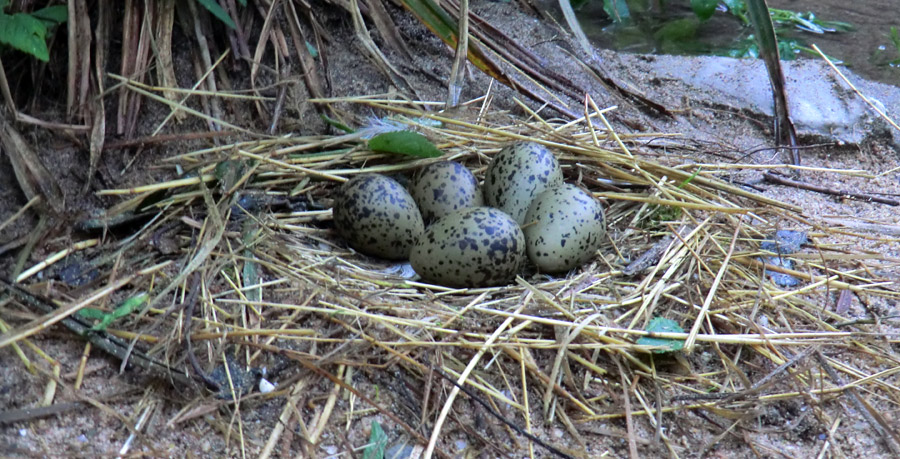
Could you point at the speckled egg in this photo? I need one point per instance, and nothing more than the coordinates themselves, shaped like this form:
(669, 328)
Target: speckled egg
(444, 187)
(475, 247)
(563, 228)
(377, 216)
(517, 175)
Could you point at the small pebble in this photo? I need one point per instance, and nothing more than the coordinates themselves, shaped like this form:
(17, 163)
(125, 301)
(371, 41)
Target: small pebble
(400, 450)
(265, 386)
(785, 241)
(781, 279)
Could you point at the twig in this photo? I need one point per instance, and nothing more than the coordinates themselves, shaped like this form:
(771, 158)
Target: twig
(189, 321)
(499, 416)
(820, 189)
(104, 341)
(874, 419)
(629, 419)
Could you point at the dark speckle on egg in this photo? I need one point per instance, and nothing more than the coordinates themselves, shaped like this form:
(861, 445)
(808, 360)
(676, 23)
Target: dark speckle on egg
(377, 216)
(442, 188)
(565, 227)
(517, 174)
(475, 247)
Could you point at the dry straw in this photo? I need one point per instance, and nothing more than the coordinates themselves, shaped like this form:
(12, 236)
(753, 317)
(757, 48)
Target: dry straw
(272, 286)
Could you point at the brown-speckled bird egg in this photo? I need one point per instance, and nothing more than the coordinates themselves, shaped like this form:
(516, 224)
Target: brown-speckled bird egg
(377, 216)
(444, 187)
(475, 247)
(563, 228)
(517, 175)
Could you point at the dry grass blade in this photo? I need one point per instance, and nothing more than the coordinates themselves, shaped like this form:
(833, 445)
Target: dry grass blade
(375, 55)
(879, 110)
(575, 27)
(458, 69)
(33, 177)
(436, 432)
(308, 66)
(386, 27)
(348, 337)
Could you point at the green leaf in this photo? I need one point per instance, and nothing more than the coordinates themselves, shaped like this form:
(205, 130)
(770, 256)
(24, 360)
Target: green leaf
(377, 442)
(704, 9)
(404, 143)
(785, 134)
(52, 15)
(91, 313)
(662, 325)
(213, 7)
(3, 4)
(617, 10)
(25, 33)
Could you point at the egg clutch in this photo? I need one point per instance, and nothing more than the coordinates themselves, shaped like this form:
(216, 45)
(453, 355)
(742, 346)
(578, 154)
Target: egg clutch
(458, 234)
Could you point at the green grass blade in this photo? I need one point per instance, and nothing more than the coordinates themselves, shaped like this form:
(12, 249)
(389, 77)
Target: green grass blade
(785, 135)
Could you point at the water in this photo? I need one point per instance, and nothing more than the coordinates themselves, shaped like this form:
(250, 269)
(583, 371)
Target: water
(867, 49)
(859, 48)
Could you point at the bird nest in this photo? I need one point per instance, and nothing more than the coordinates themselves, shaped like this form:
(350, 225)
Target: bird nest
(682, 309)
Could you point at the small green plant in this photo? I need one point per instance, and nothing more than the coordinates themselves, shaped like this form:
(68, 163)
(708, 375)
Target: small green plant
(27, 32)
(660, 213)
(804, 21)
(888, 55)
(105, 319)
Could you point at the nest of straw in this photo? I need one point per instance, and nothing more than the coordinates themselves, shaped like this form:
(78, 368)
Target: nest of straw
(243, 251)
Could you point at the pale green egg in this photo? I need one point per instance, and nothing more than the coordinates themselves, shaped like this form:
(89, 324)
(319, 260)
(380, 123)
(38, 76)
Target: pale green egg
(377, 216)
(517, 174)
(564, 227)
(475, 247)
